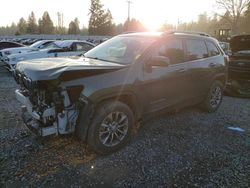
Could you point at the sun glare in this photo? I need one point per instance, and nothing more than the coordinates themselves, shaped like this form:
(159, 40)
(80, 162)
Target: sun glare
(154, 14)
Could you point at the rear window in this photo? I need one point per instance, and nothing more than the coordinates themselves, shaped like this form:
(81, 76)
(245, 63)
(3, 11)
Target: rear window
(196, 49)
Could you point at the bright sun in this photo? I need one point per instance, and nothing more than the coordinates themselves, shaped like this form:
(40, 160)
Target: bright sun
(154, 14)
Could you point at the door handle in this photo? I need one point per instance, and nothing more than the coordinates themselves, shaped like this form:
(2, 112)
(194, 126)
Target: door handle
(182, 70)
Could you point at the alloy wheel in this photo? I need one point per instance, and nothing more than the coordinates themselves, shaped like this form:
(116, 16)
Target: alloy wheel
(216, 96)
(113, 129)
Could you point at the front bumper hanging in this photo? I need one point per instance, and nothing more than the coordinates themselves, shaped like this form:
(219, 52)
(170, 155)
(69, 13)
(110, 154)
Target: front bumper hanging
(32, 119)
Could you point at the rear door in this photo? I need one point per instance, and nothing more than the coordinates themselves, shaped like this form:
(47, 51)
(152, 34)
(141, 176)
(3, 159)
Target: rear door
(199, 65)
(166, 86)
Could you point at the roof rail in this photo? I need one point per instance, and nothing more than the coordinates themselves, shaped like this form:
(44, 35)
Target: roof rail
(127, 32)
(186, 32)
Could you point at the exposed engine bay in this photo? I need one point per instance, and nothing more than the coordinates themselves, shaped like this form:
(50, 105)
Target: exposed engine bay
(48, 109)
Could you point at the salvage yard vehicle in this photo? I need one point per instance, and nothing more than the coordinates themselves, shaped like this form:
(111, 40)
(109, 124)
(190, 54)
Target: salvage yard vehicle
(55, 49)
(102, 95)
(5, 53)
(239, 66)
(8, 44)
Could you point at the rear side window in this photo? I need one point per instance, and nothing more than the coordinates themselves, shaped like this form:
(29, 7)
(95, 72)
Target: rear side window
(87, 47)
(196, 49)
(212, 49)
(173, 49)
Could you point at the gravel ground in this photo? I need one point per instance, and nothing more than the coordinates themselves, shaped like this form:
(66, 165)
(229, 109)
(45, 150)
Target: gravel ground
(186, 149)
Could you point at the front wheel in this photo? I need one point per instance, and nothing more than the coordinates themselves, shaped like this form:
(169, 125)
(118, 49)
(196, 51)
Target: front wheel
(214, 97)
(111, 127)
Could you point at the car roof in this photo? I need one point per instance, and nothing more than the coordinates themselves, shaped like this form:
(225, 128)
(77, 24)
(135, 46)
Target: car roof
(185, 34)
(141, 34)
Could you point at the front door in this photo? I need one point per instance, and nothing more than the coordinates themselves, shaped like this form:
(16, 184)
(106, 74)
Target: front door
(166, 86)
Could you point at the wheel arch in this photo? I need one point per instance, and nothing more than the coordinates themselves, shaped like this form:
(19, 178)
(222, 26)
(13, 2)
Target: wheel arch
(221, 78)
(127, 98)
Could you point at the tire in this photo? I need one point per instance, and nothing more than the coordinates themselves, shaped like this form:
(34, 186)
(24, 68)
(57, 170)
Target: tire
(214, 97)
(111, 127)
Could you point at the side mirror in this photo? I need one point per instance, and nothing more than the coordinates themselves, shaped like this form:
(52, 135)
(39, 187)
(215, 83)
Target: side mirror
(160, 61)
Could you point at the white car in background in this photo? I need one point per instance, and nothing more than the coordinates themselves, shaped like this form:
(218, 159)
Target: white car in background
(5, 53)
(55, 49)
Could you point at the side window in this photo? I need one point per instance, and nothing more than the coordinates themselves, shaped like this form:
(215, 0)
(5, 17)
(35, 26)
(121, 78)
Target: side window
(72, 47)
(8, 45)
(86, 47)
(82, 47)
(212, 49)
(11, 45)
(196, 49)
(42, 46)
(173, 49)
(78, 47)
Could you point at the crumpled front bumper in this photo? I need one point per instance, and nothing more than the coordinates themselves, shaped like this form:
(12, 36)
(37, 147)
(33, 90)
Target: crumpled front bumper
(33, 120)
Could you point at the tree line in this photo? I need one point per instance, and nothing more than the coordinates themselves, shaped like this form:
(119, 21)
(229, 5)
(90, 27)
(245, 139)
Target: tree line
(235, 17)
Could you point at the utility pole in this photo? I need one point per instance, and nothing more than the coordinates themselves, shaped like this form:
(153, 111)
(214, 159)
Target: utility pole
(59, 19)
(129, 2)
(62, 19)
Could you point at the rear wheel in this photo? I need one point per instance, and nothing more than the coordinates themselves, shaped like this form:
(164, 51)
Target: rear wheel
(214, 97)
(111, 127)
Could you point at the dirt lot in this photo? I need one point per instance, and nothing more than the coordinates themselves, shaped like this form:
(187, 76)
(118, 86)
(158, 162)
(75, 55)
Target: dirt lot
(187, 149)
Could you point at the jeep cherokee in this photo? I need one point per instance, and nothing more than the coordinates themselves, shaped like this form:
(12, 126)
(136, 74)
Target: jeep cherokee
(102, 95)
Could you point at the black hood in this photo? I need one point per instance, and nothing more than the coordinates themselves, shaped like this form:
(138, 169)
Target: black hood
(240, 42)
(64, 68)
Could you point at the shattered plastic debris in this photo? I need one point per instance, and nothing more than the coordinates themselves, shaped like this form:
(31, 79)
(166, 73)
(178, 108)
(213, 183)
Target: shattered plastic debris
(236, 129)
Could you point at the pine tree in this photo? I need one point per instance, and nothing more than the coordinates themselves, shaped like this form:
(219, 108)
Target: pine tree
(45, 25)
(32, 25)
(74, 27)
(22, 26)
(100, 21)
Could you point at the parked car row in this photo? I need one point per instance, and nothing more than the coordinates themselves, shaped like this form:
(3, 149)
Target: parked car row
(43, 49)
(24, 41)
(8, 44)
(4, 53)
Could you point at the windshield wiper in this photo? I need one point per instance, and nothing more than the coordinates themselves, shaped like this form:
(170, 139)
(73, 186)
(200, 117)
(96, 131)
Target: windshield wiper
(97, 58)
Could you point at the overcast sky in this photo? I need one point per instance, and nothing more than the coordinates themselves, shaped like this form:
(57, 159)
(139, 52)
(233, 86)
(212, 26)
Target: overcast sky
(151, 12)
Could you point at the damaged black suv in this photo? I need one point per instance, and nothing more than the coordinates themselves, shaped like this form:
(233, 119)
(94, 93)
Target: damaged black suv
(102, 95)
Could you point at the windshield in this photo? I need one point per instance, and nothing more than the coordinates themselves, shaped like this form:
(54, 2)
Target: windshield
(37, 44)
(121, 49)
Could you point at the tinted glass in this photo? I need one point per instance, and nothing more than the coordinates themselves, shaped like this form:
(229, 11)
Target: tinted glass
(86, 47)
(173, 49)
(83, 47)
(212, 49)
(196, 49)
